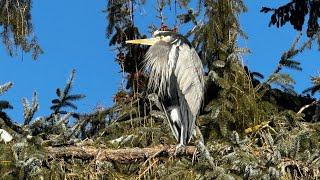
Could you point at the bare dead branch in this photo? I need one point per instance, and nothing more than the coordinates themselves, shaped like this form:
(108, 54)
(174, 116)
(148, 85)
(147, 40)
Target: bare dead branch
(307, 106)
(120, 155)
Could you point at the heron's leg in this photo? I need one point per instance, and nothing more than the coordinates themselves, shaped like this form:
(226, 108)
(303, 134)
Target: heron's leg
(181, 147)
(178, 129)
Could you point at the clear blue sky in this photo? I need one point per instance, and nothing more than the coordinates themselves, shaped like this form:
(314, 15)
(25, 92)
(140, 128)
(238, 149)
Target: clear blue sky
(72, 35)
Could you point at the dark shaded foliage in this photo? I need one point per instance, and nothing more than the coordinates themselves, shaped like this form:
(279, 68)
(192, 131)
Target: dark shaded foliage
(295, 12)
(5, 105)
(312, 89)
(254, 76)
(287, 100)
(316, 86)
(6, 121)
(190, 16)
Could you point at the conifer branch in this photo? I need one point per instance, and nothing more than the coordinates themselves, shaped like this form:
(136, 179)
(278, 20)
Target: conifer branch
(64, 98)
(5, 87)
(284, 80)
(30, 110)
(316, 85)
(7, 122)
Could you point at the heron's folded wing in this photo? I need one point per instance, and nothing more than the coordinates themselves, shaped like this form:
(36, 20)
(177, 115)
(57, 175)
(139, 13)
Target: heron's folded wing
(189, 73)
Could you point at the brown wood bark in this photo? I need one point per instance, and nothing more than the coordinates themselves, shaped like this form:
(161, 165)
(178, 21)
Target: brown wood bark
(124, 155)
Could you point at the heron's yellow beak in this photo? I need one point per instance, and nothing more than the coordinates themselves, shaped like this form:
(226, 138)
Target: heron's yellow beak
(149, 42)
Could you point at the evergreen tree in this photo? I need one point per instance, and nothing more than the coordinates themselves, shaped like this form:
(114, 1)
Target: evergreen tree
(250, 129)
(17, 27)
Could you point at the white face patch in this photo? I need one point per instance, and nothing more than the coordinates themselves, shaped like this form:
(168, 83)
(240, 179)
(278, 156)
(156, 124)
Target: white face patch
(157, 32)
(163, 37)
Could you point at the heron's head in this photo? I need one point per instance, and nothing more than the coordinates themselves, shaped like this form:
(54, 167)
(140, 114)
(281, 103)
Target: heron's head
(166, 36)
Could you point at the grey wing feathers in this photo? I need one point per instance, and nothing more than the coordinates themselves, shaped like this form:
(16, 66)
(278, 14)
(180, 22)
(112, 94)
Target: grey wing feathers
(156, 63)
(189, 73)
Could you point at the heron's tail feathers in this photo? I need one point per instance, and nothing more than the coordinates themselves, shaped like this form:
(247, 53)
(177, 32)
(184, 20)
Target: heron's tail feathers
(175, 122)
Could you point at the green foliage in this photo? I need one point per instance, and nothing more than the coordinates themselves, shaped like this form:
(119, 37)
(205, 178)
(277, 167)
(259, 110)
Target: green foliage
(17, 27)
(239, 105)
(212, 37)
(30, 110)
(3, 89)
(283, 80)
(64, 98)
(25, 161)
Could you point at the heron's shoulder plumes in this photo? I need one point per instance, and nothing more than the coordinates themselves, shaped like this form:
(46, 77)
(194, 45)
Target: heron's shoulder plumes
(156, 64)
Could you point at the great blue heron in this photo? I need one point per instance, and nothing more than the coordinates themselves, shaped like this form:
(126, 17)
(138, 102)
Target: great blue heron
(176, 73)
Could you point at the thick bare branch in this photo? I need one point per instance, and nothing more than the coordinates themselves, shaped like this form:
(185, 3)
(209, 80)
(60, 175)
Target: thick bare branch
(307, 106)
(120, 155)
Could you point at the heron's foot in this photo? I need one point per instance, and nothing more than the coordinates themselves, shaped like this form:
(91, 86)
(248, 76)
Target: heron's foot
(180, 149)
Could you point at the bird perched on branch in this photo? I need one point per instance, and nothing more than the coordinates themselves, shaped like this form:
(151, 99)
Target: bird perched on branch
(175, 73)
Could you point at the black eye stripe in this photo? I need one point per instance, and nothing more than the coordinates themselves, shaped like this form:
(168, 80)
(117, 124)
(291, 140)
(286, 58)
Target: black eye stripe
(175, 36)
(165, 33)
